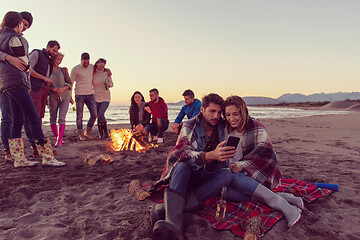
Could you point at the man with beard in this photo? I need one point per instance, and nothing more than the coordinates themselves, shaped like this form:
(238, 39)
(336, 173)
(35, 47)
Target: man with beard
(159, 111)
(195, 169)
(41, 64)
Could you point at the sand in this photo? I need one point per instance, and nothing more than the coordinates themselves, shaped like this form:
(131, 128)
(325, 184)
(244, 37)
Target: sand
(92, 202)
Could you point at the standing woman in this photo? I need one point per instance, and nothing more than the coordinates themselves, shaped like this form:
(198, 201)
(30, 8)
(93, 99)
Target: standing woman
(255, 168)
(59, 98)
(101, 84)
(139, 118)
(16, 85)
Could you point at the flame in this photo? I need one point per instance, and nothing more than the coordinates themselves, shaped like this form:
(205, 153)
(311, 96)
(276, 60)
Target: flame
(124, 139)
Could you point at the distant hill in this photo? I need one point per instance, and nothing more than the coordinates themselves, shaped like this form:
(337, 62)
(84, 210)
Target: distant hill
(260, 100)
(296, 98)
(319, 97)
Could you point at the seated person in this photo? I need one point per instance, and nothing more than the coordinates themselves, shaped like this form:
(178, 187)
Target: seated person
(159, 111)
(255, 168)
(190, 109)
(194, 169)
(139, 118)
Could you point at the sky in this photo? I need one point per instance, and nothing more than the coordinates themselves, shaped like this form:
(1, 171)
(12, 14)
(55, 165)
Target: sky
(230, 47)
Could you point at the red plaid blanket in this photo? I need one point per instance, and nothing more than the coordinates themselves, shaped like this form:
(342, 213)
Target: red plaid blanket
(238, 213)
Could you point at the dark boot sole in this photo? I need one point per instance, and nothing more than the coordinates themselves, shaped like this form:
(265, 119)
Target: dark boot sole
(164, 230)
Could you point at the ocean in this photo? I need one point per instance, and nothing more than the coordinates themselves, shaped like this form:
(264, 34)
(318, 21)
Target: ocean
(119, 114)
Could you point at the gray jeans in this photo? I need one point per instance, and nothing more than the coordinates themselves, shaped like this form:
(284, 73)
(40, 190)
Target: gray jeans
(56, 106)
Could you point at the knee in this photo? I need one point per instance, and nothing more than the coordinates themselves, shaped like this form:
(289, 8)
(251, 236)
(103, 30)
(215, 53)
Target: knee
(225, 176)
(181, 167)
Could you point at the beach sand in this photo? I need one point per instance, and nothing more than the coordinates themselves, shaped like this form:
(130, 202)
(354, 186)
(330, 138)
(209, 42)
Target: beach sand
(92, 202)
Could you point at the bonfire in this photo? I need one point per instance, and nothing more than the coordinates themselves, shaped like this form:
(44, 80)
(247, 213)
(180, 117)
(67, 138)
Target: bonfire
(126, 139)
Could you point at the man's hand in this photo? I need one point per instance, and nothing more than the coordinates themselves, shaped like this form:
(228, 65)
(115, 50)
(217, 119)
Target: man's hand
(175, 127)
(235, 167)
(221, 153)
(72, 100)
(148, 109)
(48, 80)
(16, 62)
(109, 73)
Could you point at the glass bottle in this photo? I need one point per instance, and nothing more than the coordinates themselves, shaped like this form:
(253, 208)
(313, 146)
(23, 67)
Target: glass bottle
(106, 87)
(221, 206)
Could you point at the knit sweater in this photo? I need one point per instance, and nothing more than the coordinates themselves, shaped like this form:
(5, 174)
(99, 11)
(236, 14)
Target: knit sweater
(83, 79)
(101, 93)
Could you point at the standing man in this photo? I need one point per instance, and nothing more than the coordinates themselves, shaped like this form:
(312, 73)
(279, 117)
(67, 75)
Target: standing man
(82, 75)
(40, 62)
(6, 114)
(190, 109)
(194, 168)
(159, 111)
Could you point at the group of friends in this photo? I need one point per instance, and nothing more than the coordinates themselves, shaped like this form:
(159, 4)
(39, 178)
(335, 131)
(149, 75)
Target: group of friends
(30, 81)
(197, 168)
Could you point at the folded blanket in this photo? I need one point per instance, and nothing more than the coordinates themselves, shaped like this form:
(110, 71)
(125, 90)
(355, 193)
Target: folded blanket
(238, 213)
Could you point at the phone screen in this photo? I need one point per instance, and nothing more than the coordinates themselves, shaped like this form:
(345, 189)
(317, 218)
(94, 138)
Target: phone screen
(233, 141)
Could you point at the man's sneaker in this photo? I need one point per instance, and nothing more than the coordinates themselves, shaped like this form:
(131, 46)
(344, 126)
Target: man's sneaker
(160, 140)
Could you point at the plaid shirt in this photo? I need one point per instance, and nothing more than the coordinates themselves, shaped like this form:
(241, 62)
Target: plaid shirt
(190, 145)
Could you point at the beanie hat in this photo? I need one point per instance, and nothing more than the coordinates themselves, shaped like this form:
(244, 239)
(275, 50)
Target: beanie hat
(28, 17)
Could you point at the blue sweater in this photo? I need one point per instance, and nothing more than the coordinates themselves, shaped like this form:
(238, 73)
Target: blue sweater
(190, 111)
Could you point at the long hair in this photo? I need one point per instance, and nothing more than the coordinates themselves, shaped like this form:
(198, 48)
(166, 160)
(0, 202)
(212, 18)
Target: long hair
(10, 20)
(133, 98)
(239, 103)
(100, 60)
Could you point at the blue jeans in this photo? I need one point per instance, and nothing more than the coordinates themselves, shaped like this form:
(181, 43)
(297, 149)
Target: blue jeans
(157, 128)
(56, 106)
(101, 109)
(242, 187)
(22, 106)
(6, 119)
(202, 183)
(89, 100)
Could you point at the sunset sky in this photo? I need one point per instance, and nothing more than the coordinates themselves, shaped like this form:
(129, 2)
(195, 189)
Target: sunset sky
(248, 48)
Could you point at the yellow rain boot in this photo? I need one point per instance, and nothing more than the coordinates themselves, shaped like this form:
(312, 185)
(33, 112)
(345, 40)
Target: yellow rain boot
(44, 148)
(17, 153)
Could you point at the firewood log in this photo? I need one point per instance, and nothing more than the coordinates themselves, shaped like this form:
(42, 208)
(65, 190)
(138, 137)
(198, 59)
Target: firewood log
(253, 229)
(136, 190)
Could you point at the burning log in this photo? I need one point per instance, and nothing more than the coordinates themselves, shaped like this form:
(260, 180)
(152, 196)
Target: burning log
(125, 139)
(136, 190)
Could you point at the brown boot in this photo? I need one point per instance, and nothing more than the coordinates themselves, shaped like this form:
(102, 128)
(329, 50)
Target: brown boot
(81, 134)
(87, 132)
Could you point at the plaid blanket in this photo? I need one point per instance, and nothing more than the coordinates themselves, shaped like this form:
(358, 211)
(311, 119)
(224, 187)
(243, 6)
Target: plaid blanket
(259, 159)
(238, 213)
(188, 146)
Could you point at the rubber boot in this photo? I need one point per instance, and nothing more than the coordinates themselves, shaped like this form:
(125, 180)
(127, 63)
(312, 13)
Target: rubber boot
(44, 148)
(54, 130)
(17, 153)
(157, 212)
(87, 132)
(290, 198)
(106, 133)
(59, 141)
(171, 227)
(291, 213)
(101, 132)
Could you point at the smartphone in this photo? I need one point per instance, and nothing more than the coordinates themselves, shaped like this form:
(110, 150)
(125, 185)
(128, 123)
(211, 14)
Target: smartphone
(233, 141)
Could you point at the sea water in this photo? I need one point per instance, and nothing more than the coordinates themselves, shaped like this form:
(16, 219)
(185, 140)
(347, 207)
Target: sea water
(119, 114)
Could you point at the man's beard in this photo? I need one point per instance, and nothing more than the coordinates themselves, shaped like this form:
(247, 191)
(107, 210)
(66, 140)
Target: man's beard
(209, 124)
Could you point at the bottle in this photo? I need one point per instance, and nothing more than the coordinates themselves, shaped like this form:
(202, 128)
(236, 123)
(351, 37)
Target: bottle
(221, 206)
(106, 87)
